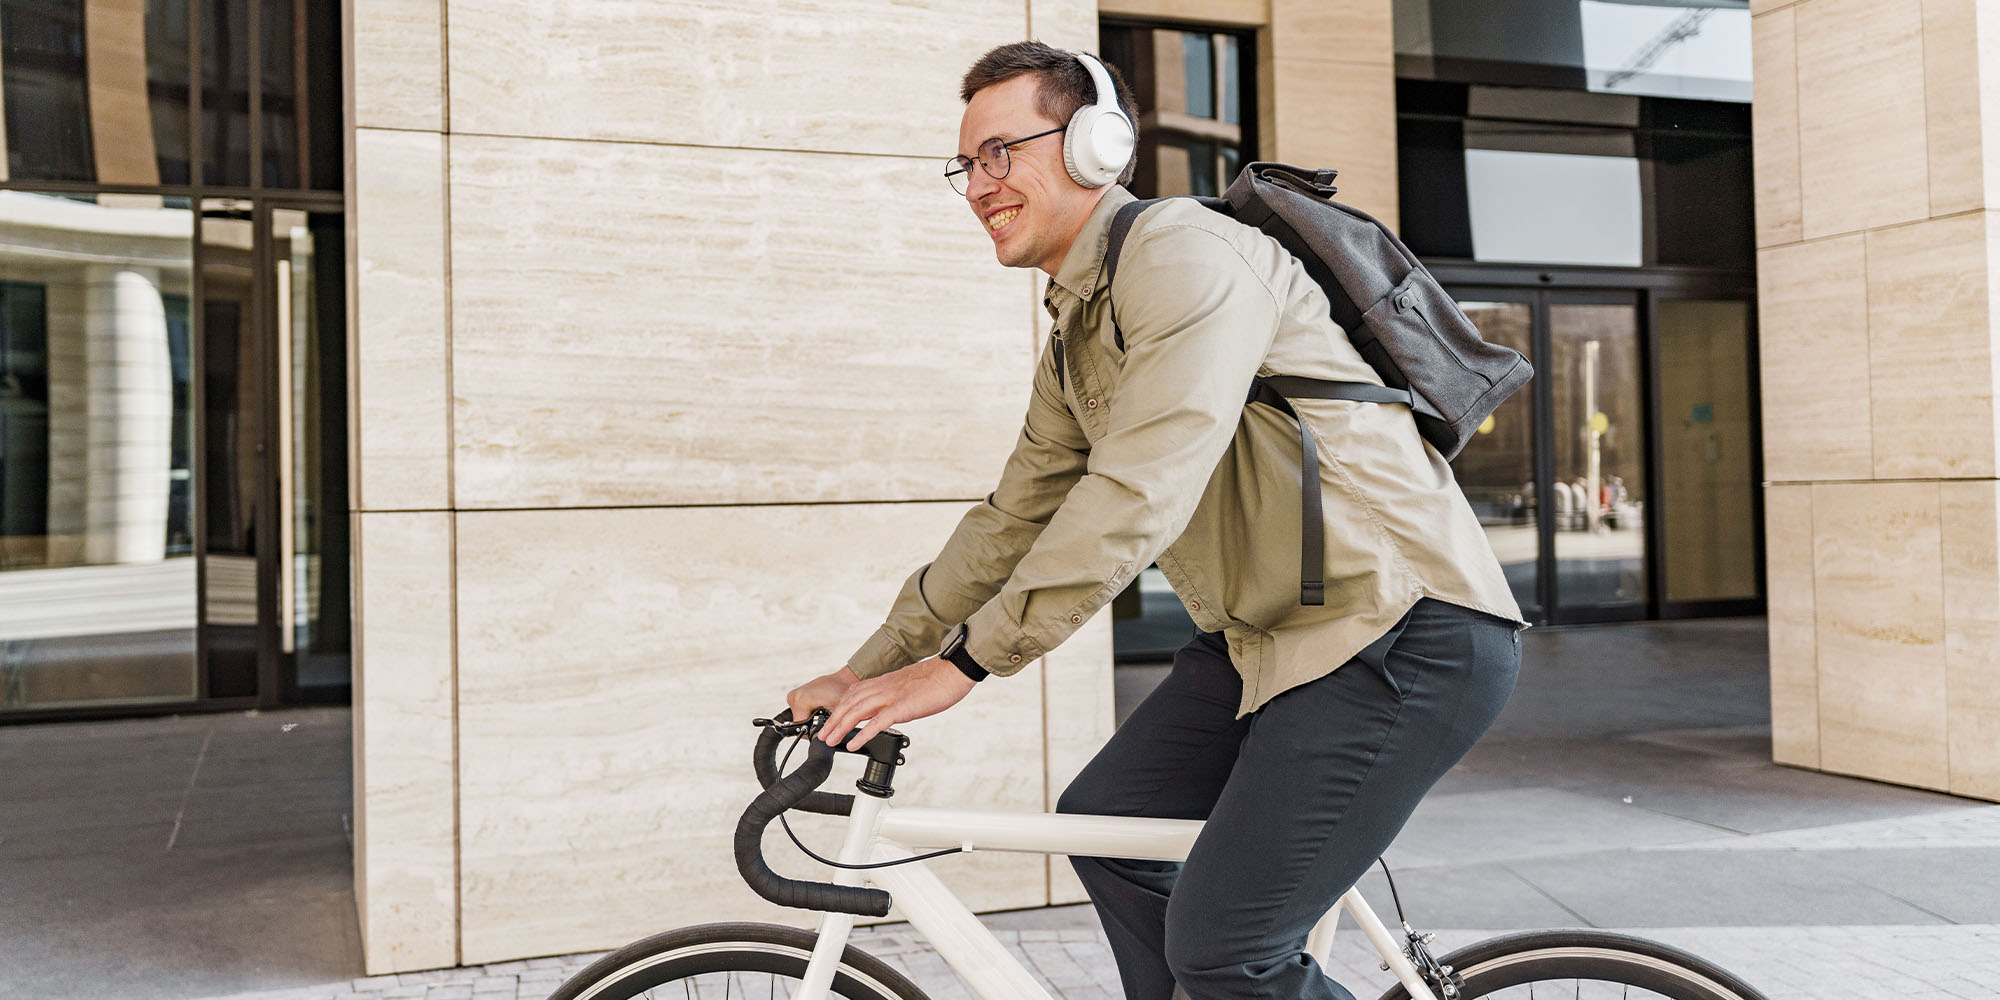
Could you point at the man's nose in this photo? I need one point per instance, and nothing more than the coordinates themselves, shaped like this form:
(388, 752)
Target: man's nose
(979, 184)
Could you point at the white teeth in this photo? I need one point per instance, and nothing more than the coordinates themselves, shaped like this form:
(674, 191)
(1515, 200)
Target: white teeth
(1002, 218)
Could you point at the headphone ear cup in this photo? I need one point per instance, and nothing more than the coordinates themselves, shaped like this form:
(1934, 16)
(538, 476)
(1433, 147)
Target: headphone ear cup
(1096, 146)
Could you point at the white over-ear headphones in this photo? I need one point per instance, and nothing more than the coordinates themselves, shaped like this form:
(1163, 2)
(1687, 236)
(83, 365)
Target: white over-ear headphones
(1098, 143)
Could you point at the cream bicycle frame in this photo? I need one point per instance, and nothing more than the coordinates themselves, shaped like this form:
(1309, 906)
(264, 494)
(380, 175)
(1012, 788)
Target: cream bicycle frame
(878, 832)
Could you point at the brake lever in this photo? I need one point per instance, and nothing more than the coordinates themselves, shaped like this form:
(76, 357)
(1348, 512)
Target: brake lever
(810, 726)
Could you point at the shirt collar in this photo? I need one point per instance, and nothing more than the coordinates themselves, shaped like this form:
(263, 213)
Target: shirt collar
(1082, 268)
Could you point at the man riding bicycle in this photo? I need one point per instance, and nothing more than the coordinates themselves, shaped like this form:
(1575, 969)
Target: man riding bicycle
(1305, 734)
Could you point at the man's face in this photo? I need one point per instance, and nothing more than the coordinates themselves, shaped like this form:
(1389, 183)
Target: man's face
(1034, 213)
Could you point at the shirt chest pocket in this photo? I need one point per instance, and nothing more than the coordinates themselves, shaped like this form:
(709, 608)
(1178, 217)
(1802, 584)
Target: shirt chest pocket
(1089, 379)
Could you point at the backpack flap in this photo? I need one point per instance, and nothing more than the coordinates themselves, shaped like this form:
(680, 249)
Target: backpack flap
(1421, 330)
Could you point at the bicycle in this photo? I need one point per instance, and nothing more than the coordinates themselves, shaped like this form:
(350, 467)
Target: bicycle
(880, 847)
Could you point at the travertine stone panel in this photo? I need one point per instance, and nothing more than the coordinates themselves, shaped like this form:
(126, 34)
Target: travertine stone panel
(1971, 552)
(405, 834)
(1348, 30)
(612, 660)
(666, 325)
(1951, 105)
(398, 55)
(1788, 552)
(402, 330)
(875, 76)
(1080, 712)
(1355, 133)
(1763, 6)
(1879, 604)
(1243, 13)
(1068, 24)
(1930, 337)
(1861, 115)
(1813, 347)
(1774, 127)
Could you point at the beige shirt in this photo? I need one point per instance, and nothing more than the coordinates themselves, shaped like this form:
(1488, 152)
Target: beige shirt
(1149, 454)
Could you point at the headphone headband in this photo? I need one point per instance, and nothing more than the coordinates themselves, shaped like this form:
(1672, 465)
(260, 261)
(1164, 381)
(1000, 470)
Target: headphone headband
(1107, 95)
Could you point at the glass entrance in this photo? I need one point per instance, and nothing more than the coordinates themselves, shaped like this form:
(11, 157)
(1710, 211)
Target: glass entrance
(1598, 486)
(1564, 477)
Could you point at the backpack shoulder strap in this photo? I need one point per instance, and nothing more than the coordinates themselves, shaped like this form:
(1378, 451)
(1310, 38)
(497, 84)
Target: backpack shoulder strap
(1121, 227)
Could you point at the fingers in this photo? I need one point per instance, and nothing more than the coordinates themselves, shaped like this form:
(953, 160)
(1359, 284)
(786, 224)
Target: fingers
(872, 702)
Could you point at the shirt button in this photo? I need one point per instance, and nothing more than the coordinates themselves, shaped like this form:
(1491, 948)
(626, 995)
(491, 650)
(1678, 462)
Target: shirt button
(1013, 658)
(1091, 402)
(1076, 619)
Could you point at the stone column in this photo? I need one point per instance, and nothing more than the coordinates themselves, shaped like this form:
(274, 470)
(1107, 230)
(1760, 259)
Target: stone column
(1327, 95)
(131, 406)
(1876, 182)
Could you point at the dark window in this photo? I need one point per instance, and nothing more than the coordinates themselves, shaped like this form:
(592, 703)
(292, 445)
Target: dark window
(24, 416)
(225, 92)
(1609, 179)
(47, 102)
(1196, 102)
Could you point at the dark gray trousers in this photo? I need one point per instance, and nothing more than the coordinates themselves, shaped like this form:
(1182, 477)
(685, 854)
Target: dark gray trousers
(1300, 796)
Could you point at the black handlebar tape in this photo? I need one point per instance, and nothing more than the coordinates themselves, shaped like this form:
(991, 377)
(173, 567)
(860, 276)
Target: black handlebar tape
(765, 759)
(783, 795)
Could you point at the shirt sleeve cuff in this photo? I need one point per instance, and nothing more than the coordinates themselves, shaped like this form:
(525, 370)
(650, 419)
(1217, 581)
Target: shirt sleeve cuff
(997, 643)
(879, 655)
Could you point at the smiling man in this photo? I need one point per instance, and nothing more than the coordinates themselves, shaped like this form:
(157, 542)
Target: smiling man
(1304, 727)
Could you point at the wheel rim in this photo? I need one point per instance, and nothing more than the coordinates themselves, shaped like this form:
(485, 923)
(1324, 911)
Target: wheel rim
(1507, 977)
(778, 981)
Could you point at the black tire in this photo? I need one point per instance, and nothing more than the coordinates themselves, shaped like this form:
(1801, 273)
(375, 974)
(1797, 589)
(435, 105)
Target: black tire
(727, 962)
(1586, 964)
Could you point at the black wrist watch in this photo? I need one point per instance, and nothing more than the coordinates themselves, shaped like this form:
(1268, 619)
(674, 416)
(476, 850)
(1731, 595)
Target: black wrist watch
(953, 650)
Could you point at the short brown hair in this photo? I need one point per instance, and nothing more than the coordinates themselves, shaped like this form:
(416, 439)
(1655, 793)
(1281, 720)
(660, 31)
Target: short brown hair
(1064, 84)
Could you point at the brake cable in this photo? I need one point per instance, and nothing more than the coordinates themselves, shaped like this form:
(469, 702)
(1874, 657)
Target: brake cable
(796, 842)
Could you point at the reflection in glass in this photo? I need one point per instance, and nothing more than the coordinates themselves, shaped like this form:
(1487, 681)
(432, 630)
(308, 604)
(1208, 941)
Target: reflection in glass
(1190, 87)
(97, 589)
(1600, 455)
(225, 92)
(47, 109)
(313, 604)
(1671, 48)
(233, 398)
(1710, 477)
(1682, 50)
(96, 91)
(1557, 208)
(1497, 468)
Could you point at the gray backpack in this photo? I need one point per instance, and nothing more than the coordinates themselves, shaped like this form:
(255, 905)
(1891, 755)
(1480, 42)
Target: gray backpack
(1410, 331)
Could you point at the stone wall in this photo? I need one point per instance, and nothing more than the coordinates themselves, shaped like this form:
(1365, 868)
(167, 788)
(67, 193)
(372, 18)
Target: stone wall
(1877, 175)
(674, 354)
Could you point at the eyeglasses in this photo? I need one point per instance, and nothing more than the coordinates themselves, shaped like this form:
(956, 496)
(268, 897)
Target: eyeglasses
(993, 159)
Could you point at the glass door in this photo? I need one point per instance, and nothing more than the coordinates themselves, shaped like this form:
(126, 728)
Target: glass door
(1497, 468)
(304, 272)
(275, 582)
(1559, 475)
(1599, 466)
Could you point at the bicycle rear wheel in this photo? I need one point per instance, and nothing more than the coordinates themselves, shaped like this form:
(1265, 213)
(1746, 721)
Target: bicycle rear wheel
(737, 961)
(1586, 964)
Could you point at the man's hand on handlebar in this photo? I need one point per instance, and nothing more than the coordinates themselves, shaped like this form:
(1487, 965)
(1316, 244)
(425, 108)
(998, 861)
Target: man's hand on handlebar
(820, 692)
(921, 689)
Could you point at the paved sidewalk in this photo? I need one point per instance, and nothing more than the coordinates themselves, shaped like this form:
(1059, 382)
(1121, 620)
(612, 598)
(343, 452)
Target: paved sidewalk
(1066, 951)
(1791, 963)
(1628, 785)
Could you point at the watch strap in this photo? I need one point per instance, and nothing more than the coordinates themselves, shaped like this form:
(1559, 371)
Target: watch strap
(956, 654)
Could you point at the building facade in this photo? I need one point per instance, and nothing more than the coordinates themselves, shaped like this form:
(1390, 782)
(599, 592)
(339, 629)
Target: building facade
(560, 382)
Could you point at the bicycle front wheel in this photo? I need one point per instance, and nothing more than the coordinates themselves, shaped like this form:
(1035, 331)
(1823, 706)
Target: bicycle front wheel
(729, 962)
(1586, 964)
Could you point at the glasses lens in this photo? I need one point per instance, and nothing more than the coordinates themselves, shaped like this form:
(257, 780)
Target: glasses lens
(993, 156)
(956, 170)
